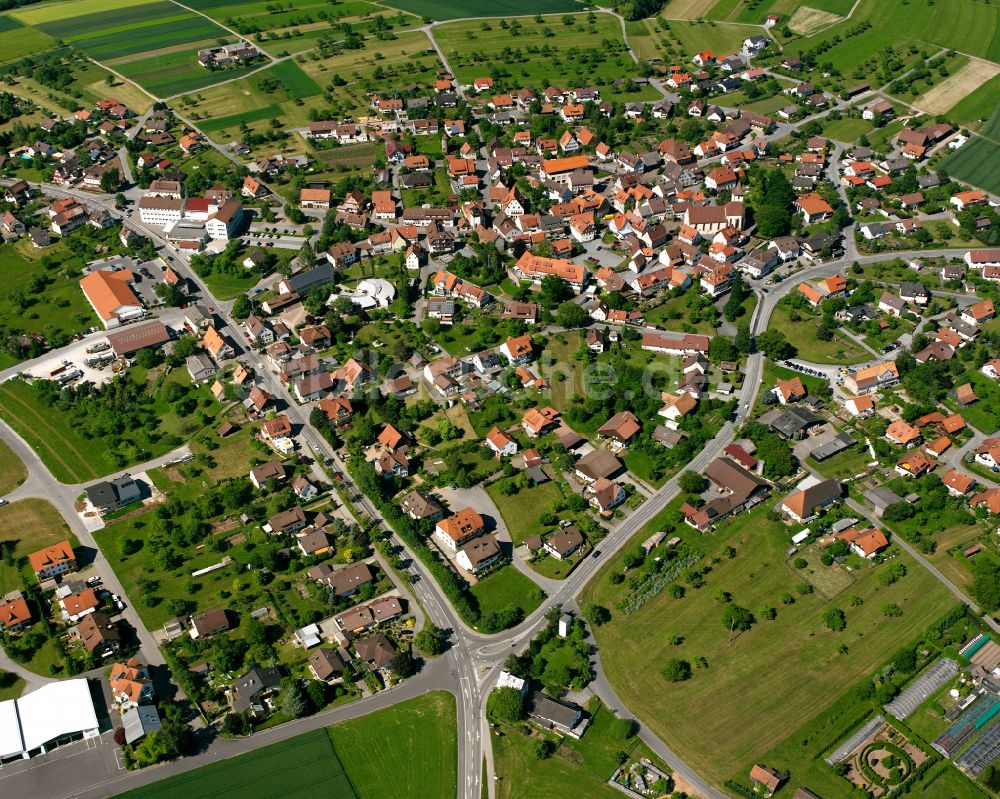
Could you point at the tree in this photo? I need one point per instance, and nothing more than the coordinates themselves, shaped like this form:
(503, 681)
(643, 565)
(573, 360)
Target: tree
(676, 670)
(404, 664)
(554, 290)
(306, 255)
(596, 614)
(834, 619)
(986, 581)
(691, 482)
(774, 345)
(293, 701)
(570, 315)
(430, 640)
(737, 618)
(242, 308)
(111, 180)
(506, 705)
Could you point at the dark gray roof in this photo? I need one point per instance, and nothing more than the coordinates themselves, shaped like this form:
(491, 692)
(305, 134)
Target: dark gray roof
(252, 684)
(140, 721)
(547, 710)
(793, 421)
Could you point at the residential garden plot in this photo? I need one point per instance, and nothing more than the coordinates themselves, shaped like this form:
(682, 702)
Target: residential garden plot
(521, 511)
(577, 768)
(407, 750)
(507, 588)
(537, 55)
(984, 415)
(31, 524)
(299, 768)
(451, 9)
(802, 333)
(744, 671)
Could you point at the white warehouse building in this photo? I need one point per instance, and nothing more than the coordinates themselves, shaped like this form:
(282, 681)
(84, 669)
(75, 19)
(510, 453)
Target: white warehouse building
(55, 714)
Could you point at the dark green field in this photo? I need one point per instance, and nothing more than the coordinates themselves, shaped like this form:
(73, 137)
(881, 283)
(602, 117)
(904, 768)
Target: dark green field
(173, 73)
(449, 9)
(70, 27)
(299, 768)
(978, 160)
(150, 37)
(298, 83)
(221, 123)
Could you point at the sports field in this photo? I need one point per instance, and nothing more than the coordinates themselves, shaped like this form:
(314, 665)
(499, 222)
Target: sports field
(450, 9)
(789, 667)
(32, 524)
(978, 160)
(300, 768)
(538, 55)
(408, 750)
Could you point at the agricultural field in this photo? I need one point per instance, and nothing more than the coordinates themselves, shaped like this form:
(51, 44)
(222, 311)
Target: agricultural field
(969, 26)
(533, 55)
(978, 160)
(418, 731)
(959, 84)
(301, 767)
(154, 43)
(31, 524)
(249, 18)
(18, 41)
(743, 672)
(755, 13)
(975, 109)
(277, 92)
(449, 9)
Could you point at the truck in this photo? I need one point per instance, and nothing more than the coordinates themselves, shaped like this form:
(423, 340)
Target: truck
(99, 359)
(66, 377)
(101, 346)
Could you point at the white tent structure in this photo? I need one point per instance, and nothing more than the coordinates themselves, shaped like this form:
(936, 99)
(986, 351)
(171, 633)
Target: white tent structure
(54, 714)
